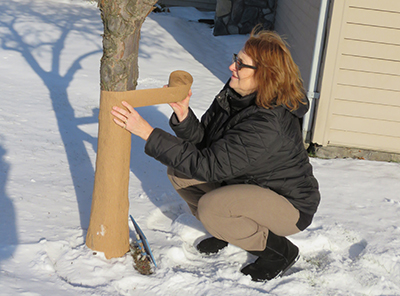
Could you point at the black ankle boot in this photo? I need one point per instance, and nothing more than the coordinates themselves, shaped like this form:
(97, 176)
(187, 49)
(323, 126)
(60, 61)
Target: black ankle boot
(211, 245)
(279, 255)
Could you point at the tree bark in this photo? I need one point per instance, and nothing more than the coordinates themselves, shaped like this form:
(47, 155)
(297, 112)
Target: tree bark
(108, 230)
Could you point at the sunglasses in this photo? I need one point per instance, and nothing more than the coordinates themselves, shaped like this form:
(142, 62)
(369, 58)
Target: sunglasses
(239, 64)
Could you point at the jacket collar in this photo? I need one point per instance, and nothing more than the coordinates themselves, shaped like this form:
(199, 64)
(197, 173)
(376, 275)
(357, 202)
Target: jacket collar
(233, 102)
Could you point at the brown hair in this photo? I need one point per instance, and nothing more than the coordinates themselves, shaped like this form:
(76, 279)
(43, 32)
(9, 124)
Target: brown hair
(277, 76)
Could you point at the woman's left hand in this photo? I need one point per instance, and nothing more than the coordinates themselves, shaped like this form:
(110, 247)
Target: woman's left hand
(131, 120)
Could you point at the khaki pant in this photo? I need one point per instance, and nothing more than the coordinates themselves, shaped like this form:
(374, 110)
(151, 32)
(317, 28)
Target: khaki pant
(239, 214)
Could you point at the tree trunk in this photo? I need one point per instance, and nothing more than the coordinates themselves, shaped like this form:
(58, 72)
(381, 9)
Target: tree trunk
(108, 230)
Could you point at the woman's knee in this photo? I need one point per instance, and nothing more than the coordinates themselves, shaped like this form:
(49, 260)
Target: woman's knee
(213, 203)
(223, 200)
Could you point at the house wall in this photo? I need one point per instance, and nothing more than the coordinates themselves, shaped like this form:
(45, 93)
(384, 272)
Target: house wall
(359, 104)
(200, 4)
(296, 21)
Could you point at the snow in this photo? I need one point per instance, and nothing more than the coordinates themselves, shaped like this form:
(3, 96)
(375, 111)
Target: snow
(49, 68)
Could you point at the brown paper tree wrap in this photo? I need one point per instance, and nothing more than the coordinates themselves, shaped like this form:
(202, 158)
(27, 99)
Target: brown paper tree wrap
(108, 229)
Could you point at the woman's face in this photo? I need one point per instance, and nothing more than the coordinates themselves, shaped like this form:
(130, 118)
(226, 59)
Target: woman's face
(242, 81)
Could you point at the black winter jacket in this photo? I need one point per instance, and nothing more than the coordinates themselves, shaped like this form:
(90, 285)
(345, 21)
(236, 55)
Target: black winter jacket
(237, 142)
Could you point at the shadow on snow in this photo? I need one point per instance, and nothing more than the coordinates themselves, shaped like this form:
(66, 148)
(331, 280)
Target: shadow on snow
(8, 233)
(64, 19)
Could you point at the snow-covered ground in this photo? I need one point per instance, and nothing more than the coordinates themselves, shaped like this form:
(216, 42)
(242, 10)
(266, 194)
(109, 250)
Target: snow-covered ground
(49, 97)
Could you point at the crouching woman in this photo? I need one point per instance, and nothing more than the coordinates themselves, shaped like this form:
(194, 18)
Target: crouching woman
(243, 169)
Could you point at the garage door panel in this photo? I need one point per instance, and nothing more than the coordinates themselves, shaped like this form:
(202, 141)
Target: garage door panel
(365, 141)
(368, 95)
(363, 110)
(386, 5)
(371, 17)
(369, 65)
(365, 126)
(373, 34)
(369, 80)
(370, 49)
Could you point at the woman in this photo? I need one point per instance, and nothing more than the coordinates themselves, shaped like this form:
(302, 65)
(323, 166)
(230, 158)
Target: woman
(243, 169)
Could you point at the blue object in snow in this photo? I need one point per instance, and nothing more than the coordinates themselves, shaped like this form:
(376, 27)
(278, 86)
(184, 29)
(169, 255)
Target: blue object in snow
(144, 240)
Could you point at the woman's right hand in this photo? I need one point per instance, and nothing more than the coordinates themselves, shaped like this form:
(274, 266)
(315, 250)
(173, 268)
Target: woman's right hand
(181, 108)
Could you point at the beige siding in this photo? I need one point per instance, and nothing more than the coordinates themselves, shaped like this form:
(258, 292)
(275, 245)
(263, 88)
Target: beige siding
(200, 4)
(297, 22)
(360, 94)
